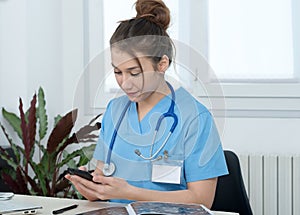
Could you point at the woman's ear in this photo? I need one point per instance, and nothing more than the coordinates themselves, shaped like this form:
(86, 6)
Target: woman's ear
(163, 64)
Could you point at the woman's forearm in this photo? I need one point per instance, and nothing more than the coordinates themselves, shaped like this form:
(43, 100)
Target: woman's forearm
(183, 196)
(204, 197)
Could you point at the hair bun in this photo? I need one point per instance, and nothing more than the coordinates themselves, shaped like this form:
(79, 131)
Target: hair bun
(155, 11)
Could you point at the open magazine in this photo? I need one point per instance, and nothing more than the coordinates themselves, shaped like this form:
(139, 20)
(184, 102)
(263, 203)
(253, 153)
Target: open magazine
(143, 208)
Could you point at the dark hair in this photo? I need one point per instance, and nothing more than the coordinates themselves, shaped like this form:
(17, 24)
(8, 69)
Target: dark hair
(146, 33)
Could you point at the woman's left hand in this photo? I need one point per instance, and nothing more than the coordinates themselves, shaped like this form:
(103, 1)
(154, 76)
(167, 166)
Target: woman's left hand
(112, 187)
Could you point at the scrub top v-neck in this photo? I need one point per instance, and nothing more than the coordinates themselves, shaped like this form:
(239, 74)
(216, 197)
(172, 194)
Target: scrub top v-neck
(143, 126)
(195, 140)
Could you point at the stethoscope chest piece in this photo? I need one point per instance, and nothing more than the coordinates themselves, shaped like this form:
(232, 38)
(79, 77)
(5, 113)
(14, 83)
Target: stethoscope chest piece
(109, 169)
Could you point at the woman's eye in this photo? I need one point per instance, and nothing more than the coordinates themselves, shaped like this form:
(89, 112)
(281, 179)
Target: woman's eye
(117, 72)
(135, 74)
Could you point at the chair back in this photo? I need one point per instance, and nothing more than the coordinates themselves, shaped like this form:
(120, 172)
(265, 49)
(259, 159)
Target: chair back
(231, 194)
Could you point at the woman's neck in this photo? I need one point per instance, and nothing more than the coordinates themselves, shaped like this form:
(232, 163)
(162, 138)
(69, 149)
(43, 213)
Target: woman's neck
(143, 107)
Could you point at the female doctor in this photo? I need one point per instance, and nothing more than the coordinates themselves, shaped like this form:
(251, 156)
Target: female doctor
(156, 143)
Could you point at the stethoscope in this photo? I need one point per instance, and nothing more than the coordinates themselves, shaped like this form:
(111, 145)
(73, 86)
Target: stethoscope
(109, 167)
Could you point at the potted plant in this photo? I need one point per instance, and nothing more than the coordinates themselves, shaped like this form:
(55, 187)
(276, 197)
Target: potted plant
(37, 164)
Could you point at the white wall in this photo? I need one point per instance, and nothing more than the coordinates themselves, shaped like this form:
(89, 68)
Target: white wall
(263, 135)
(13, 52)
(41, 44)
(31, 47)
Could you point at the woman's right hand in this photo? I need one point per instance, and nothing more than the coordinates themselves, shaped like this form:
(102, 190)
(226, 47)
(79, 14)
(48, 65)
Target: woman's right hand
(86, 188)
(98, 170)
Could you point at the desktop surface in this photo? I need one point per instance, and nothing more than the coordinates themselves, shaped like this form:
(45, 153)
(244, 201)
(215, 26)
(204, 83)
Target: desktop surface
(51, 204)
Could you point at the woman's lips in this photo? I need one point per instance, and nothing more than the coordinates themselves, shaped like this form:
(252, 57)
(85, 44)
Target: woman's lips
(132, 94)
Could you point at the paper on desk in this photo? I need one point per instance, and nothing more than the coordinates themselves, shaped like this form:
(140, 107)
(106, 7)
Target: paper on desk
(140, 208)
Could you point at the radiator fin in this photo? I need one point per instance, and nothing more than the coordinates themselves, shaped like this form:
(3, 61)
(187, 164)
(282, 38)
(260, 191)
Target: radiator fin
(272, 183)
(296, 185)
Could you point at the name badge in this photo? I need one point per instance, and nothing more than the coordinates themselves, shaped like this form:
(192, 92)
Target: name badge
(166, 171)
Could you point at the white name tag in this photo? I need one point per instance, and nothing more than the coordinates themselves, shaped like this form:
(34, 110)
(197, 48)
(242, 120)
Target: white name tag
(166, 173)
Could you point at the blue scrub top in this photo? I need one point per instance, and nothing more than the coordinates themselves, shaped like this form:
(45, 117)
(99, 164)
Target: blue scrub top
(195, 141)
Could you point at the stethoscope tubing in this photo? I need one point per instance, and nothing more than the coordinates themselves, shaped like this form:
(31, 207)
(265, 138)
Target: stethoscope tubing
(158, 150)
(112, 141)
(169, 113)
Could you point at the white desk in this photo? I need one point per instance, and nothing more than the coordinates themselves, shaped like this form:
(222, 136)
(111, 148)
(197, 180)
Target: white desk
(49, 204)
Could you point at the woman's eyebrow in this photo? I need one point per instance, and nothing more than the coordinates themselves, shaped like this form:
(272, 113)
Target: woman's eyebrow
(127, 69)
(114, 66)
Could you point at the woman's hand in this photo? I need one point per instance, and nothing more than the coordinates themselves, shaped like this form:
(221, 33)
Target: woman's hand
(112, 188)
(83, 186)
(105, 187)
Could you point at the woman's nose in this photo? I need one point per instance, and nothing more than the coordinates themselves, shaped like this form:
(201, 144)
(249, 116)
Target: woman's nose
(126, 82)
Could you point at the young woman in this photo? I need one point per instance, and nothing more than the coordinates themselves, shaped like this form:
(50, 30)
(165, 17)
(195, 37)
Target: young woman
(156, 143)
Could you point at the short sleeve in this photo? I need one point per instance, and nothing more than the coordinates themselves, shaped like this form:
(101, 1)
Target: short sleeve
(204, 156)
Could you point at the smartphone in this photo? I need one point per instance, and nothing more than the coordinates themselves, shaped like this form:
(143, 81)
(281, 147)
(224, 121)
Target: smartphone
(84, 174)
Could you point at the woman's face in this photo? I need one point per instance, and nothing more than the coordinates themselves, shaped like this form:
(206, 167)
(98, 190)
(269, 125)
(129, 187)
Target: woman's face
(138, 83)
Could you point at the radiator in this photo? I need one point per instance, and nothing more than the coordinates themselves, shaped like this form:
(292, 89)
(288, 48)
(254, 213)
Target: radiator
(272, 183)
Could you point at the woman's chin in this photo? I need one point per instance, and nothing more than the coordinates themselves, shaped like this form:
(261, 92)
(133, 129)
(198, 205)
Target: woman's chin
(133, 98)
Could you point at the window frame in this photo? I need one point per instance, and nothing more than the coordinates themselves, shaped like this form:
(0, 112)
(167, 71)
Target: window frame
(247, 98)
(262, 98)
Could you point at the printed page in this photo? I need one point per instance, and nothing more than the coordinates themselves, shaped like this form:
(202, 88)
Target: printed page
(118, 210)
(168, 208)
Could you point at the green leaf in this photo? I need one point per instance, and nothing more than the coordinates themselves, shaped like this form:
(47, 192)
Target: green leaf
(72, 162)
(47, 164)
(16, 151)
(56, 119)
(12, 144)
(13, 120)
(4, 156)
(43, 179)
(41, 176)
(80, 152)
(87, 154)
(41, 147)
(41, 113)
